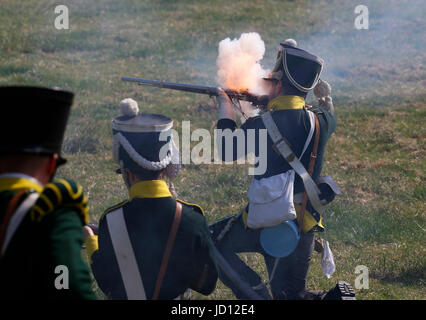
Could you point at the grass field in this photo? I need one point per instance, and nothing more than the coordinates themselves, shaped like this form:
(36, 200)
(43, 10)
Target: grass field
(377, 154)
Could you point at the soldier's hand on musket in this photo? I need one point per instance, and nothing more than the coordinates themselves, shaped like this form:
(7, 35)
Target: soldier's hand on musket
(226, 108)
(323, 92)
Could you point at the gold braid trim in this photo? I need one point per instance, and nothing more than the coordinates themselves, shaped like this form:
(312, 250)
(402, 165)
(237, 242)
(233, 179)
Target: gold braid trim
(59, 194)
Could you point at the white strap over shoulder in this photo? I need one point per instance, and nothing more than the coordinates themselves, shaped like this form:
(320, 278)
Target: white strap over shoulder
(17, 218)
(125, 255)
(311, 132)
(285, 150)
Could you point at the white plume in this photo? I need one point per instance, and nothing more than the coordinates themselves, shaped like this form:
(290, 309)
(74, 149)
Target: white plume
(290, 42)
(129, 107)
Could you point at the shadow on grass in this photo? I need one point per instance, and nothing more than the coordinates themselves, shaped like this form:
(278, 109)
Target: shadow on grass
(415, 276)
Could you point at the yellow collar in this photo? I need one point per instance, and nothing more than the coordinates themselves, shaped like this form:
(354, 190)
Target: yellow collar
(149, 189)
(286, 103)
(15, 182)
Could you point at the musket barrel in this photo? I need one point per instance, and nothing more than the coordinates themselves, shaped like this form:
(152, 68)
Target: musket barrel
(211, 91)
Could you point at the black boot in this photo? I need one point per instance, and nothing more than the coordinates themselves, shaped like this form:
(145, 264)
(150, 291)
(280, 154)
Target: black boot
(314, 294)
(342, 291)
(304, 295)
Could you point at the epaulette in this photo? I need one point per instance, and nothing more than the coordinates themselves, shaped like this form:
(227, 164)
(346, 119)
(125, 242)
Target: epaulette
(112, 208)
(59, 194)
(194, 206)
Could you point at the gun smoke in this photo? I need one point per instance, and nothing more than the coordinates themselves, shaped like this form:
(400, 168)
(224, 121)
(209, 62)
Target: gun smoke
(239, 66)
(239, 63)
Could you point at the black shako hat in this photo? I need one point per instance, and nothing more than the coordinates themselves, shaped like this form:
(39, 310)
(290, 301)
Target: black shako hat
(141, 140)
(301, 68)
(33, 120)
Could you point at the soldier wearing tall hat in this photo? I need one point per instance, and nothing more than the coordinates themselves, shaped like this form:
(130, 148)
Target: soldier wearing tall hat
(305, 131)
(151, 246)
(41, 219)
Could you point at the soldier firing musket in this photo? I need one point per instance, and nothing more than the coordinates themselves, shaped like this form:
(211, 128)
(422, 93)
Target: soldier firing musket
(287, 200)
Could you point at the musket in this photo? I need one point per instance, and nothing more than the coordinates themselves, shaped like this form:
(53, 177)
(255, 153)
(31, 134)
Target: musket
(257, 101)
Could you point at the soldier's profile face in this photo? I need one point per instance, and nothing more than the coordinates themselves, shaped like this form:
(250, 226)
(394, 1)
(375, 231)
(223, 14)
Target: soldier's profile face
(271, 86)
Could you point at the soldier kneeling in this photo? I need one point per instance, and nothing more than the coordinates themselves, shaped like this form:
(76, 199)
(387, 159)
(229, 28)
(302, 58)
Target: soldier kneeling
(150, 246)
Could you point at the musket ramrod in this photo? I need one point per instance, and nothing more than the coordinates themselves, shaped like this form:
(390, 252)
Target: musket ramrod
(258, 101)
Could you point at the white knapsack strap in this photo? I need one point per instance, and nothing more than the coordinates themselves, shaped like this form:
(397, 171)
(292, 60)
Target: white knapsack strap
(125, 256)
(17, 218)
(284, 149)
(311, 132)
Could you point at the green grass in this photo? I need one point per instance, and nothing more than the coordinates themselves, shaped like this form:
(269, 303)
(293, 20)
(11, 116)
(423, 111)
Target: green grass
(378, 77)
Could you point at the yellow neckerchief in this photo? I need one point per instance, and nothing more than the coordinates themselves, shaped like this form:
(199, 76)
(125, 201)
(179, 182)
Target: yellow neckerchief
(286, 103)
(155, 189)
(15, 182)
(149, 189)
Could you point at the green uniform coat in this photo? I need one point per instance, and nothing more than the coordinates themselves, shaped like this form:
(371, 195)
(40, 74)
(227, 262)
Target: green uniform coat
(50, 235)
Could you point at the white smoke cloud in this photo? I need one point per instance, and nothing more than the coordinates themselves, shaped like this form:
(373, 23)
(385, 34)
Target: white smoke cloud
(239, 63)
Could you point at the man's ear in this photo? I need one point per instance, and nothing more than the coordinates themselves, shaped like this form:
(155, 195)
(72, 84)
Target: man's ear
(52, 164)
(131, 176)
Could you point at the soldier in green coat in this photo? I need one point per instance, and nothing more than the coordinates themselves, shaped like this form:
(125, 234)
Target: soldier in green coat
(151, 246)
(40, 220)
